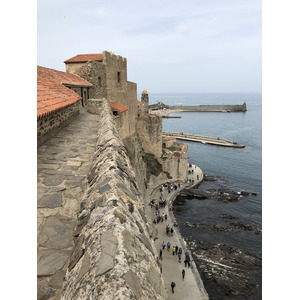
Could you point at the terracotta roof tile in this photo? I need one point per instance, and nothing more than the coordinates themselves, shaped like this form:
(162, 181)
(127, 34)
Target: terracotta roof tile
(145, 92)
(118, 106)
(52, 95)
(82, 58)
(139, 102)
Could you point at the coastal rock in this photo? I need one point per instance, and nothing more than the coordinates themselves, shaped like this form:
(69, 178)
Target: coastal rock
(222, 195)
(225, 216)
(226, 270)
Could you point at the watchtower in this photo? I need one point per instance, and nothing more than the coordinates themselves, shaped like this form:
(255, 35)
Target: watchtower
(145, 101)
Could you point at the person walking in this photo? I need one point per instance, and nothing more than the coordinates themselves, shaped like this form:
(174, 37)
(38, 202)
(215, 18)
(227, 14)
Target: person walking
(160, 254)
(189, 262)
(173, 250)
(183, 274)
(172, 286)
(179, 257)
(163, 245)
(176, 249)
(168, 246)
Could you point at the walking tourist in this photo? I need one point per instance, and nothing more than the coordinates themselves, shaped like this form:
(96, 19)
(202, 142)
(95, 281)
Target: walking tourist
(172, 286)
(183, 274)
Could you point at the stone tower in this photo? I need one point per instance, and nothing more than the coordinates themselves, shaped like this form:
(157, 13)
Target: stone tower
(145, 101)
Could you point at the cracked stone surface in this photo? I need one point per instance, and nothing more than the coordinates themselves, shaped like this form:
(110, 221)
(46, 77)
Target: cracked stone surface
(63, 163)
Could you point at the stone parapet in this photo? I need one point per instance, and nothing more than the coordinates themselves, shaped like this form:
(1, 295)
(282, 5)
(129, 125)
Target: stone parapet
(113, 257)
(94, 106)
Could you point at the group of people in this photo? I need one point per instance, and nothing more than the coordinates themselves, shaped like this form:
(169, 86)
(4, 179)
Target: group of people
(161, 203)
(169, 231)
(170, 187)
(159, 218)
(176, 251)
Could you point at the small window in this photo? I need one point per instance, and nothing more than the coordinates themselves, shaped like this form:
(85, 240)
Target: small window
(119, 77)
(99, 81)
(115, 112)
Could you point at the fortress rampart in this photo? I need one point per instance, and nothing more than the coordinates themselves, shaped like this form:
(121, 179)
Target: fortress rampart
(114, 256)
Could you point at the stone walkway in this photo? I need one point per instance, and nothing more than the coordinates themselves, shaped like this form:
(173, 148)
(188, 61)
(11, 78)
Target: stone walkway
(191, 288)
(63, 163)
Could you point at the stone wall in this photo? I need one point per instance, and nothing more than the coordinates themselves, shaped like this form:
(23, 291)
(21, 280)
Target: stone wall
(175, 162)
(73, 67)
(48, 127)
(149, 132)
(91, 72)
(113, 257)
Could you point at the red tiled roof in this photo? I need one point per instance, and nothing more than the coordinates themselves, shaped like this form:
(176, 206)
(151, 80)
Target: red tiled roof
(118, 106)
(145, 92)
(52, 95)
(82, 58)
(139, 102)
(62, 77)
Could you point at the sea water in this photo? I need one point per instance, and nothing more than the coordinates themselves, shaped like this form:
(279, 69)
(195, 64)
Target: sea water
(236, 169)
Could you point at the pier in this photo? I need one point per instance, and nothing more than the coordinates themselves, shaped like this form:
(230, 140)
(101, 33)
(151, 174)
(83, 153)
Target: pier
(204, 139)
(165, 110)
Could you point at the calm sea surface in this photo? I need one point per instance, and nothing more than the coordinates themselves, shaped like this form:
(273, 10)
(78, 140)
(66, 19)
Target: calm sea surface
(235, 169)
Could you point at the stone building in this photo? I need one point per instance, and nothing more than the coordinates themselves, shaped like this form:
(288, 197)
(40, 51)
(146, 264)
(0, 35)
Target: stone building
(59, 97)
(108, 75)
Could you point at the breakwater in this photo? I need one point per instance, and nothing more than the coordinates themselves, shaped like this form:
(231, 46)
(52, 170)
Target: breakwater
(204, 139)
(198, 108)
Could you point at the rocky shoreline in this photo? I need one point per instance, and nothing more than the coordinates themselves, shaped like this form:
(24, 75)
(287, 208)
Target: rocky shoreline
(227, 271)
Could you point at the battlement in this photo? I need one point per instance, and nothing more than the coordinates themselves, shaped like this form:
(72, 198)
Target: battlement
(110, 56)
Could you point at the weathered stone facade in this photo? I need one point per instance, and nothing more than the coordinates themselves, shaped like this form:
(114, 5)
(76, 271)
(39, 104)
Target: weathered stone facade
(109, 79)
(175, 161)
(149, 132)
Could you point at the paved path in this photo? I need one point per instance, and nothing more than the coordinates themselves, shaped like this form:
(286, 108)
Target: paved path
(63, 163)
(191, 288)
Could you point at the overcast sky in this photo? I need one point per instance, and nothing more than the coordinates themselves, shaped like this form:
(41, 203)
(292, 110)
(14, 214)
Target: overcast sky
(170, 45)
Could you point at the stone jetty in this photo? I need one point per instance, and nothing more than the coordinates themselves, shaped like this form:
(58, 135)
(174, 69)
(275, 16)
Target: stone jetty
(204, 139)
(165, 110)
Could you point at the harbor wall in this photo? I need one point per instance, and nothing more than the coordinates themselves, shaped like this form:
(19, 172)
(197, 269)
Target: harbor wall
(211, 108)
(200, 108)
